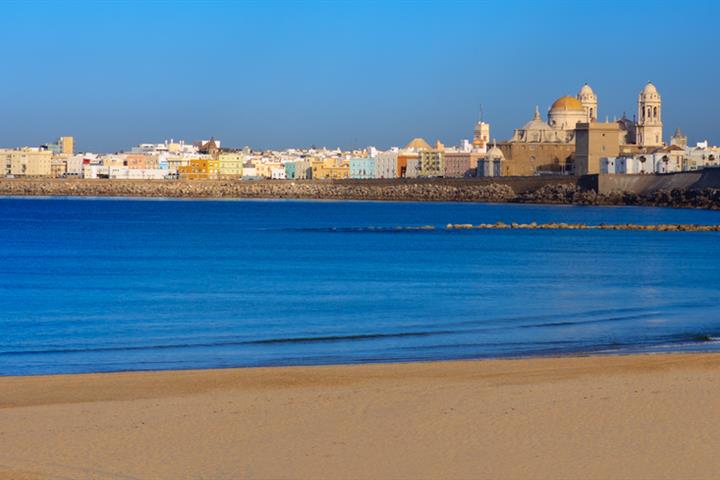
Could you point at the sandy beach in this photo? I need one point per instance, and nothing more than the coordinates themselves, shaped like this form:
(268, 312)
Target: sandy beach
(652, 416)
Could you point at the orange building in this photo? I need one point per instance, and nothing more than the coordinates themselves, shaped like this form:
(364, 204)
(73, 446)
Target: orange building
(200, 169)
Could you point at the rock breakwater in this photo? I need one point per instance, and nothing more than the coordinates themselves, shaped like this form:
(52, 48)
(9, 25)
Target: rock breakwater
(707, 198)
(560, 190)
(581, 226)
(411, 191)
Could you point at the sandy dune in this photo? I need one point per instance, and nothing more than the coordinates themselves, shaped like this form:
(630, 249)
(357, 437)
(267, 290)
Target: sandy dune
(597, 418)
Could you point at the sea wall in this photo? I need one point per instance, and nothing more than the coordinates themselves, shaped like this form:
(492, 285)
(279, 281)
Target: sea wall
(396, 189)
(685, 190)
(647, 184)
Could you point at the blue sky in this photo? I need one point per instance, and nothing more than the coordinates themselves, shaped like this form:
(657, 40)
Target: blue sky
(275, 74)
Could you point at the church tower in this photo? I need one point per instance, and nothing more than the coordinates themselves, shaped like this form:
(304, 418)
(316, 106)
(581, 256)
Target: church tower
(589, 102)
(481, 135)
(649, 119)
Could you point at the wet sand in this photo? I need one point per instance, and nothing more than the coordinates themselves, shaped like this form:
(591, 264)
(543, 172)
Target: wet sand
(652, 416)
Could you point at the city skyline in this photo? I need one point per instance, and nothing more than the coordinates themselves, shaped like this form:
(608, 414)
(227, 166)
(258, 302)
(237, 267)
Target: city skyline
(114, 74)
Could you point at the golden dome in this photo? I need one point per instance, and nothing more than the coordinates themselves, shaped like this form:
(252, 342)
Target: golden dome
(567, 103)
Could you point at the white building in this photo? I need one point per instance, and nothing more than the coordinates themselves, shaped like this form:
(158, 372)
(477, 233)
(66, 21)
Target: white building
(701, 156)
(278, 173)
(386, 164)
(413, 168)
(660, 160)
(625, 166)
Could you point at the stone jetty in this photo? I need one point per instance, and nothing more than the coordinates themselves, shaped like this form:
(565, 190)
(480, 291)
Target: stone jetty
(581, 226)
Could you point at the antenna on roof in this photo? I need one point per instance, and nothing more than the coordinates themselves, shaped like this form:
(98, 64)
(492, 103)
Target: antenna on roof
(481, 113)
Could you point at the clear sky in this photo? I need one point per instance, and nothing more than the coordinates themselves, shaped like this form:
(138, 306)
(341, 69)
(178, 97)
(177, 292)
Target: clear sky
(273, 74)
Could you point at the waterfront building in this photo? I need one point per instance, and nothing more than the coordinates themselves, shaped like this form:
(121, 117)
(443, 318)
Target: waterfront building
(265, 169)
(668, 159)
(594, 141)
(432, 161)
(330, 168)
(362, 168)
(493, 164)
(460, 163)
(125, 173)
(412, 168)
(623, 166)
(249, 171)
(402, 162)
(92, 170)
(411, 151)
(26, 162)
(58, 167)
(176, 161)
(298, 170)
(231, 164)
(74, 164)
(278, 173)
(702, 155)
(62, 146)
(200, 169)
(140, 161)
(386, 164)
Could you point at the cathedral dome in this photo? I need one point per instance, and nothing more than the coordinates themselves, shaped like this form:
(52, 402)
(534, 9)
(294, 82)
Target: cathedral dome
(649, 92)
(567, 103)
(649, 88)
(586, 91)
(495, 153)
(536, 123)
(418, 144)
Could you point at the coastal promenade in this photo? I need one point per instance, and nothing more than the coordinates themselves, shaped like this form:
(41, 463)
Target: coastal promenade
(649, 416)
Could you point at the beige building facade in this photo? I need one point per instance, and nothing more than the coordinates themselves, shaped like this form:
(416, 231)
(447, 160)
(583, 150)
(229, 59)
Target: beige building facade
(593, 141)
(27, 162)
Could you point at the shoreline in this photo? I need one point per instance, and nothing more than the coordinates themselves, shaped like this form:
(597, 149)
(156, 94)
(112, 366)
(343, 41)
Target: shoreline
(629, 416)
(564, 190)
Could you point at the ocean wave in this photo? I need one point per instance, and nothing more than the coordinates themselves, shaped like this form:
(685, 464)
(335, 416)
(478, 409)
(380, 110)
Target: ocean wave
(268, 341)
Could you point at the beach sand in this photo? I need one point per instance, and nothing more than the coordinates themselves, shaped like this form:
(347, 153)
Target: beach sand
(645, 417)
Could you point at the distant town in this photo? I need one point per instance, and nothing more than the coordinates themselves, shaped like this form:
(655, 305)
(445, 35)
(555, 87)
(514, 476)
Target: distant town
(571, 141)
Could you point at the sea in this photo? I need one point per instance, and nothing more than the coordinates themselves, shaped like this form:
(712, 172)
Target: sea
(107, 284)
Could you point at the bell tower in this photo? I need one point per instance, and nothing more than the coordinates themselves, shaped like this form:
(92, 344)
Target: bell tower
(649, 119)
(589, 102)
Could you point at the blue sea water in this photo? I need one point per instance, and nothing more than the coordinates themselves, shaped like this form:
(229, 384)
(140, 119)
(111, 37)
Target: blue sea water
(97, 285)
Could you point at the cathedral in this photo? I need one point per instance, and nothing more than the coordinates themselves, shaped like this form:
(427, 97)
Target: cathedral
(548, 147)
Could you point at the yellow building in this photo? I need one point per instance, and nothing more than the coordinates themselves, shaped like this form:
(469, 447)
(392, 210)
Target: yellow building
(265, 169)
(67, 145)
(26, 162)
(199, 169)
(231, 164)
(330, 168)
